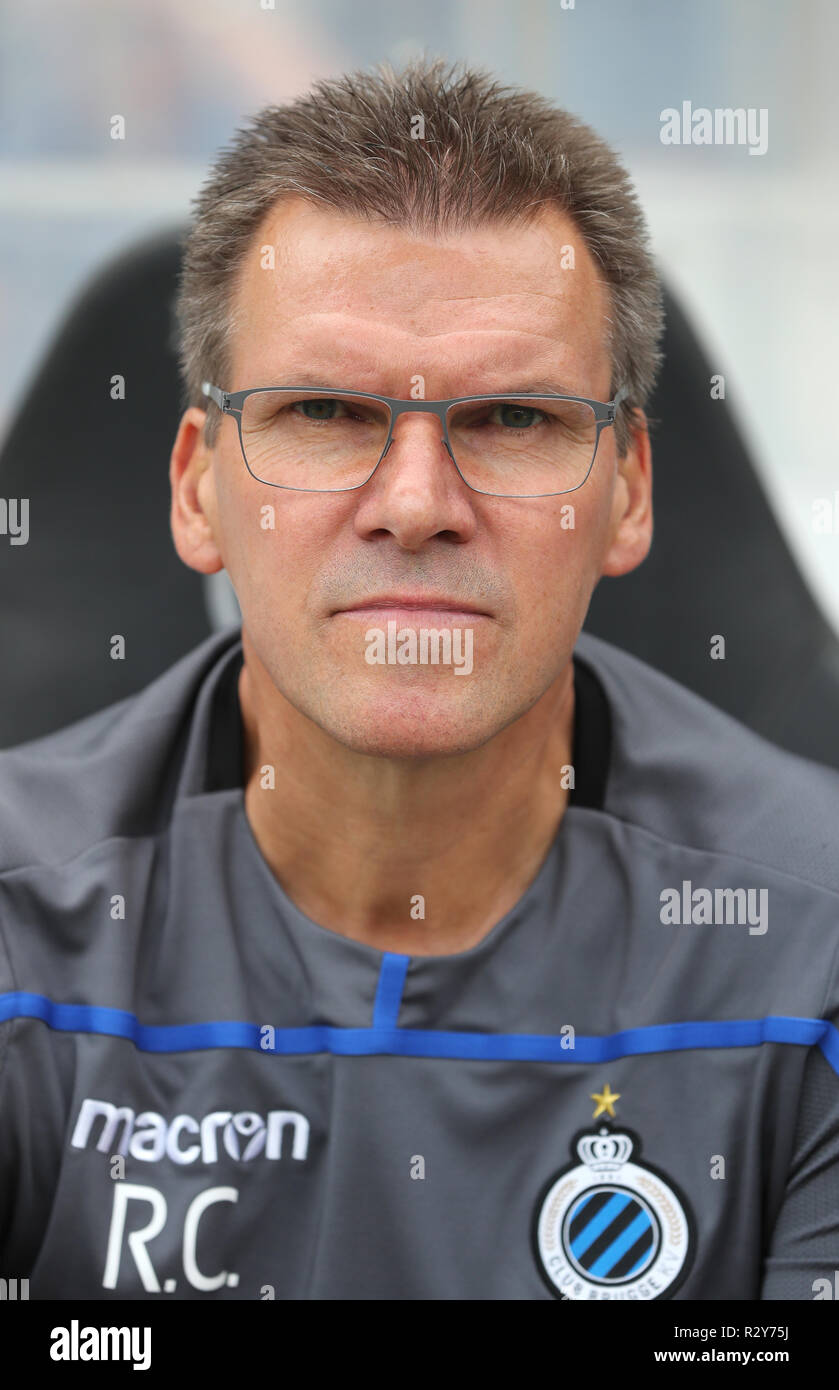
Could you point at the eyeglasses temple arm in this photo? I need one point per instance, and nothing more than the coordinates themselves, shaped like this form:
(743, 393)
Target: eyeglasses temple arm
(215, 393)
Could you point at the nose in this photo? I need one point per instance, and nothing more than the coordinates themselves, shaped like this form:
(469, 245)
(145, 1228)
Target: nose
(416, 492)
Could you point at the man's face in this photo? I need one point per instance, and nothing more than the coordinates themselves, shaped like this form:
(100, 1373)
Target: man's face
(371, 308)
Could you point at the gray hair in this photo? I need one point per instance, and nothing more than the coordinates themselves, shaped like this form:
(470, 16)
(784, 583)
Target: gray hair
(489, 153)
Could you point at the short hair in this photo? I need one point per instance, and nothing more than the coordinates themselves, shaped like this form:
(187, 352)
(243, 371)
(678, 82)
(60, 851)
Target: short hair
(490, 153)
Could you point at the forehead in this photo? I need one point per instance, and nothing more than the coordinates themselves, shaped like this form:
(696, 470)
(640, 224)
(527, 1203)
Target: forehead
(333, 294)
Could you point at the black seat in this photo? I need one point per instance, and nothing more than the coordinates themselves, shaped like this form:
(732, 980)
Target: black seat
(100, 560)
(719, 565)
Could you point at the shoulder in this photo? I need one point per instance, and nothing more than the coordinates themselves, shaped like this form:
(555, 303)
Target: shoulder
(692, 775)
(115, 773)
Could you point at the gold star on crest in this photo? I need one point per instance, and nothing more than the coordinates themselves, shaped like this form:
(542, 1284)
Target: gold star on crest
(605, 1101)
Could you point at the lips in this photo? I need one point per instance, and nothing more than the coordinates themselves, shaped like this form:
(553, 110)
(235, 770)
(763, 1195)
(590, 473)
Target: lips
(394, 605)
(414, 612)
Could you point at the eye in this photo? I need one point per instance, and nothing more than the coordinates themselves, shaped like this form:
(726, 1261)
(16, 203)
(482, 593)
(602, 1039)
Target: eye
(321, 409)
(514, 416)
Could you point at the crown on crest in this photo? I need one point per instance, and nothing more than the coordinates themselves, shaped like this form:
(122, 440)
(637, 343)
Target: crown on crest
(605, 1152)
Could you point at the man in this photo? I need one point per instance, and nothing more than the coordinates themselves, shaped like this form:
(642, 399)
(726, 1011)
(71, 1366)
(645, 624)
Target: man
(408, 944)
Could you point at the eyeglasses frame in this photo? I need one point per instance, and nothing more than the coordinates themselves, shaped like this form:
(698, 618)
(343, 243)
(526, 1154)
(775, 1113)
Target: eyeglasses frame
(232, 403)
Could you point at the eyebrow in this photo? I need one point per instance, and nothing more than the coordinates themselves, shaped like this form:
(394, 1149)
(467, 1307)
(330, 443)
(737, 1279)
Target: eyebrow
(541, 387)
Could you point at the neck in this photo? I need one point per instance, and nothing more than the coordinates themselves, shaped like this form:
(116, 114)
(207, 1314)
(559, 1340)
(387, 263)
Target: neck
(421, 859)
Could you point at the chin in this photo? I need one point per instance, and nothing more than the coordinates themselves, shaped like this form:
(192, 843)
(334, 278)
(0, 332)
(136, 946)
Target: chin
(410, 726)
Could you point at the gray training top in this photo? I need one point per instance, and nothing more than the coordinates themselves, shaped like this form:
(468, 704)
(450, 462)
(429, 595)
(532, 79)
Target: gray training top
(628, 1089)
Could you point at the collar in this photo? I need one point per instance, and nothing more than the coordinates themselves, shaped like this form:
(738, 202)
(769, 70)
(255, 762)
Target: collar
(592, 735)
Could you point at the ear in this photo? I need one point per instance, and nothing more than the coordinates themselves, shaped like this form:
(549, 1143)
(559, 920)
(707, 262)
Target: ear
(194, 513)
(631, 527)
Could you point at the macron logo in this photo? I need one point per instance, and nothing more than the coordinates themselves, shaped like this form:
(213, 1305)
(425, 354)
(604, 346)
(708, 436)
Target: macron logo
(150, 1138)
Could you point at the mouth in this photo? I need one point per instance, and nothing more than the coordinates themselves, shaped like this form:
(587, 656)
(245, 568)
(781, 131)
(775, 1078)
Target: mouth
(412, 609)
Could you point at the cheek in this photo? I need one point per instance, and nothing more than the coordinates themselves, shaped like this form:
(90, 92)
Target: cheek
(554, 567)
(274, 547)
(548, 556)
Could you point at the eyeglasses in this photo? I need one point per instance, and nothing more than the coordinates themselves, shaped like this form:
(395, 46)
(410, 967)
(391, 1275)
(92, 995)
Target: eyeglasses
(310, 439)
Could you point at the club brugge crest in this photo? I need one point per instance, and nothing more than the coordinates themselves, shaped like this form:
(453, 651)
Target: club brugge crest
(610, 1227)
